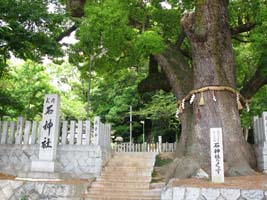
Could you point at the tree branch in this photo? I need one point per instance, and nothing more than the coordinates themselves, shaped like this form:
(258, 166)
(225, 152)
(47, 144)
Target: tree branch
(180, 40)
(179, 43)
(258, 80)
(66, 33)
(155, 80)
(176, 68)
(243, 28)
(241, 40)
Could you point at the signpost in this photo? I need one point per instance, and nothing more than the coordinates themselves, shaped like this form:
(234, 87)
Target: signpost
(49, 135)
(216, 148)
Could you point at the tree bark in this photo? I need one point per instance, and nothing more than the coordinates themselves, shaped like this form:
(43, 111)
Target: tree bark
(177, 70)
(213, 64)
(76, 7)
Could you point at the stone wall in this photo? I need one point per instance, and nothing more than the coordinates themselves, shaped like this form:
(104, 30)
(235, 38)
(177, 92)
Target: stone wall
(76, 161)
(17, 190)
(191, 193)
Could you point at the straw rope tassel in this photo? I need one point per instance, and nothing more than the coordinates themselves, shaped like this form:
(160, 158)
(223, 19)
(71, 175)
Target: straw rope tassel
(191, 96)
(180, 109)
(239, 105)
(201, 101)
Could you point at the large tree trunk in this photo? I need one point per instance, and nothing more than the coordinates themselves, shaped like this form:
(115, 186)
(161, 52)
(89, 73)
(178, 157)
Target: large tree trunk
(213, 65)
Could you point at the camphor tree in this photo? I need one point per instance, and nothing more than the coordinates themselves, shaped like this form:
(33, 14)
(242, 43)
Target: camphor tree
(189, 46)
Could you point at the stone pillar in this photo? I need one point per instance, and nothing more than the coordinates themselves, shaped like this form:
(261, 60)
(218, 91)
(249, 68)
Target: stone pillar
(4, 133)
(255, 129)
(264, 118)
(96, 130)
(87, 132)
(160, 143)
(216, 148)
(49, 135)
(19, 131)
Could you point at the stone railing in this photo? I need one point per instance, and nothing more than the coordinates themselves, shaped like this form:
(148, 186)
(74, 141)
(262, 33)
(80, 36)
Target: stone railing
(71, 132)
(145, 147)
(83, 148)
(260, 140)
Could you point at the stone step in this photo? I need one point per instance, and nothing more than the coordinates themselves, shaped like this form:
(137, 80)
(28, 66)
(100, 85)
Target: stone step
(125, 184)
(106, 197)
(133, 156)
(142, 163)
(124, 191)
(125, 175)
(139, 179)
(127, 157)
(130, 161)
(127, 169)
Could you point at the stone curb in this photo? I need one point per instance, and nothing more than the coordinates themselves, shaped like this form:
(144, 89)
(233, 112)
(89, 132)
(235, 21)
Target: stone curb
(194, 193)
(14, 190)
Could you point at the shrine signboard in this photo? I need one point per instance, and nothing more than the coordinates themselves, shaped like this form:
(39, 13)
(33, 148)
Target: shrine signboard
(216, 147)
(49, 134)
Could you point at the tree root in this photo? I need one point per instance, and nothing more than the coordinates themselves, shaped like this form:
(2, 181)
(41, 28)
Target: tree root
(187, 167)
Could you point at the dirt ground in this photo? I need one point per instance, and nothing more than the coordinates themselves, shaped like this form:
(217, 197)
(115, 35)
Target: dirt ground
(258, 181)
(6, 177)
(71, 181)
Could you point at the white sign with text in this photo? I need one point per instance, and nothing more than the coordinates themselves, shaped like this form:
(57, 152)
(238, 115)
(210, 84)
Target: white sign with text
(216, 152)
(49, 128)
(49, 135)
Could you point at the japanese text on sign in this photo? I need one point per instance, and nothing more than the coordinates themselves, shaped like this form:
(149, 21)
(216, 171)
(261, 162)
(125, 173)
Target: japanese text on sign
(216, 147)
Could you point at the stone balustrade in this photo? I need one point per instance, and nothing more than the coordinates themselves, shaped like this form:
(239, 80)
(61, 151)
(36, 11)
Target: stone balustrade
(83, 148)
(71, 132)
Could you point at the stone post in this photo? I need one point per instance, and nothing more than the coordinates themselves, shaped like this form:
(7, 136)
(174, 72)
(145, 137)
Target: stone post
(96, 130)
(264, 119)
(216, 148)
(255, 129)
(19, 131)
(160, 143)
(49, 135)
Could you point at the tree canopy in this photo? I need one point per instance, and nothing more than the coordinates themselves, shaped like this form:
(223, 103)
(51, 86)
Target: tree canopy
(30, 29)
(125, 33)
(135, 46)
(188, 46)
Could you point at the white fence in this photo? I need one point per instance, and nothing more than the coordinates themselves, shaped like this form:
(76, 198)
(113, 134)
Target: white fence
(145, 147)
(71, 132)
(260, 128)
(260, 140)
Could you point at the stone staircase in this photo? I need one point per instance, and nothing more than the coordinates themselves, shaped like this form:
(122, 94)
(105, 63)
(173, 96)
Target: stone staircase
(127, 176)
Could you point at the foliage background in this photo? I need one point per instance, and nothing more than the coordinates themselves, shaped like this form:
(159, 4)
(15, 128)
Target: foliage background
(119, 36)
